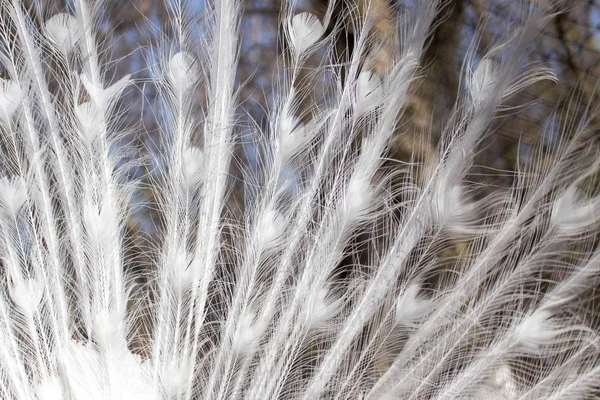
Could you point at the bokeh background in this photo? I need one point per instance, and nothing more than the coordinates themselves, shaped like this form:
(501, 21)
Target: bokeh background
(130, 31)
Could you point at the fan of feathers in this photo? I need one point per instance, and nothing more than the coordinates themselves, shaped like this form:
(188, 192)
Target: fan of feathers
(300, 255)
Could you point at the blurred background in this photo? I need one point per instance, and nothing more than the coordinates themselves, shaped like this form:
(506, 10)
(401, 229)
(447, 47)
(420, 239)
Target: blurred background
(569, 44)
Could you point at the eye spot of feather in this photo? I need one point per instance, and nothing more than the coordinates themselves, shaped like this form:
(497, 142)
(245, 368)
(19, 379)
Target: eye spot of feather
(305, 31)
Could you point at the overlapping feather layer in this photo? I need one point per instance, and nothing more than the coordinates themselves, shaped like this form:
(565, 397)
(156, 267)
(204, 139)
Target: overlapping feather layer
(335, 280)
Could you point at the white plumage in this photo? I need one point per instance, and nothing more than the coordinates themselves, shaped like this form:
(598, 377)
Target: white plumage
(335, 281)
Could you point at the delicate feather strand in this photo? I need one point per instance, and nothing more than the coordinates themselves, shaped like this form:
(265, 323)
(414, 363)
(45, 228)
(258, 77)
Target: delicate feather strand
(329, 277)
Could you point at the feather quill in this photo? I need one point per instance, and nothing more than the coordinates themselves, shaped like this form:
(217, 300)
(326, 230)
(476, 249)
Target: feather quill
(330, 281)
